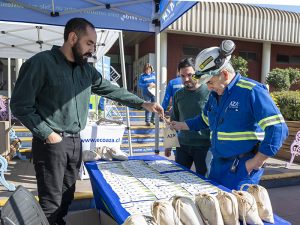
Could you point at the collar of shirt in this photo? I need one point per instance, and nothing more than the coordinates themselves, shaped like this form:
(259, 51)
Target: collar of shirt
(59, 56)
(236, 78)
(227, 90)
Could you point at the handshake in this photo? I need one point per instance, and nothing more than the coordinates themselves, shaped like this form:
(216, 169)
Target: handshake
(175, 125)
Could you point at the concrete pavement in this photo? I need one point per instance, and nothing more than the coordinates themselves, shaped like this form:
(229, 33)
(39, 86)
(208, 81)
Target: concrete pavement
(286, 203)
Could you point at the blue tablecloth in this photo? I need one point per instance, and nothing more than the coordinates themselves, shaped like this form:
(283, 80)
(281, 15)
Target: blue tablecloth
(107, 200)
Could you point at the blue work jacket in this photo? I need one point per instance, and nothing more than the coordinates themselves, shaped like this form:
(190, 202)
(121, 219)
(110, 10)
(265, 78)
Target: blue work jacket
(244, 116)
(144, 81)
(173, 86)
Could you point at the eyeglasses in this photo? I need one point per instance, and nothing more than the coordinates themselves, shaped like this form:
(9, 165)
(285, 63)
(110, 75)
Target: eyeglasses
(198, 74)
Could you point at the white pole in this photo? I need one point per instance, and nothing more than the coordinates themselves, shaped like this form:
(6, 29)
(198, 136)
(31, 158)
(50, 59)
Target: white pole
(266, 61)
(102, 59)
(164, 58)
(9, 89)
(19, 63)
(157, 90)
(122, 57)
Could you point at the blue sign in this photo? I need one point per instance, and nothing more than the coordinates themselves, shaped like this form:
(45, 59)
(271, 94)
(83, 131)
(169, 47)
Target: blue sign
(106, 67)
(172, 10)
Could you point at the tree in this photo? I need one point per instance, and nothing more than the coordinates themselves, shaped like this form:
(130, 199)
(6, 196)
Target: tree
(294, 75)
(240, 65)
(279, 79)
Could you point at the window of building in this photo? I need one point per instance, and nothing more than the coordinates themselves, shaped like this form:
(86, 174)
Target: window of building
(191, 51)
(295, 59)
(283, 58)
(249, 56)
(286, 59)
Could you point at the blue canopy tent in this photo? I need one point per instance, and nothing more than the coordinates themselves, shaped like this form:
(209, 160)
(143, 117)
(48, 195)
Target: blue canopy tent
(136, 15)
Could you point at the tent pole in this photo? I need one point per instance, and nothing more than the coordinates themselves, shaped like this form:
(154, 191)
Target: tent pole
(122, 57)
(157, 89)
(103, 71)
(9, 90)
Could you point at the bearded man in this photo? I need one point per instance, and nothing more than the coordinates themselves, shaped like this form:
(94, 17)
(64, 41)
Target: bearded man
(51, 98)
(187, 103)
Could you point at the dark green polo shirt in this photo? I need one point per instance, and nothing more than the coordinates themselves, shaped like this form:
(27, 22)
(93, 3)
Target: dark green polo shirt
(186, 105)
(51, 94)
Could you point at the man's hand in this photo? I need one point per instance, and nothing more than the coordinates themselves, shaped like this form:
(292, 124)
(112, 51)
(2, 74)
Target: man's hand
(175, 125)
(53, 138)
(168, 152)
(151, 85)
(154, 107)
(256, 162)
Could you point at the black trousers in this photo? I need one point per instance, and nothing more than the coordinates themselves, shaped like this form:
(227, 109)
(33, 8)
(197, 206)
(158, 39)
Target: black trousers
(56, 167)
(187, 155)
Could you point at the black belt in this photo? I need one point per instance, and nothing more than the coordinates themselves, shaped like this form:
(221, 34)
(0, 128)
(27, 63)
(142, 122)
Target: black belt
(244, 155)
(66, 134)
(240, 156)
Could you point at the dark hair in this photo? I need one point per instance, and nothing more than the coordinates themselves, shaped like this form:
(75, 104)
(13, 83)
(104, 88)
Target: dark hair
(77, 25)
(148, 66)
(187, 62)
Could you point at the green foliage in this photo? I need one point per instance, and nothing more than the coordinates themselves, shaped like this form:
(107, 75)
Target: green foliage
(279, 79)
(294, 75)
(288, 103)
(240, 65)
(282, 79)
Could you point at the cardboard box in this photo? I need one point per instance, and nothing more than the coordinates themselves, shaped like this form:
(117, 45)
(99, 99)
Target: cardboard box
(81, 217)
(106, 219)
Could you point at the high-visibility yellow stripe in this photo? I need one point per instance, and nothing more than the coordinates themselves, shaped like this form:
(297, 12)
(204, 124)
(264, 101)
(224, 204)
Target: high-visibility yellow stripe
(241, 136)
(242, 86)
(245, 84)
(271, 120)
(205, 118)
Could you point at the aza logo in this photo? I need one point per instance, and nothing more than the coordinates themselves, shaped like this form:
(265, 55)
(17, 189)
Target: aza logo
(234, 105)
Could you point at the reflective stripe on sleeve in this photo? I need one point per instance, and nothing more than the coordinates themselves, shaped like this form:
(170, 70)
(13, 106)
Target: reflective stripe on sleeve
(241, 136)
(205, 118)
(271, 121)
(245, 84)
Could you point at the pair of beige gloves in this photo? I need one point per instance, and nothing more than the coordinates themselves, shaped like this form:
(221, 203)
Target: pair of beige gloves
(104, 153)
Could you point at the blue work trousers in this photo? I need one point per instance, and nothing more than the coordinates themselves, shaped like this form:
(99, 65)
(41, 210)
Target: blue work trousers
(148, 97)
(220, 173)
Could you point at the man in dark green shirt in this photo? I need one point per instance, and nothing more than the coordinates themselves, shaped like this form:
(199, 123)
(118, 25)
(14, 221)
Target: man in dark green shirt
(51, 98)
(187, 103)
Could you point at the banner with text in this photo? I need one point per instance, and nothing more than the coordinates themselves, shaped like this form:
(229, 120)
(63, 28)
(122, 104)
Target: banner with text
(94, 136)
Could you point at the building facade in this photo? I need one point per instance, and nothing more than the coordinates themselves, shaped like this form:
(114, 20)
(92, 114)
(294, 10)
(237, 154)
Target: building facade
(266, 38)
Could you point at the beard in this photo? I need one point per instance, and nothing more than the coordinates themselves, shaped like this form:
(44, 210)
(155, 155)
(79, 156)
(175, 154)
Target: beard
(189, 84)
(79, 58)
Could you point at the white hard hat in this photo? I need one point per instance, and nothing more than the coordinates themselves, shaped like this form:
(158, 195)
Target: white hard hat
(211, 61)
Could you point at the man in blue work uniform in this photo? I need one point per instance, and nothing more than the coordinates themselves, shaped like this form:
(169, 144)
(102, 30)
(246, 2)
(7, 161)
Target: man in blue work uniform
(246, 126)
(173, 86)
(147, 81)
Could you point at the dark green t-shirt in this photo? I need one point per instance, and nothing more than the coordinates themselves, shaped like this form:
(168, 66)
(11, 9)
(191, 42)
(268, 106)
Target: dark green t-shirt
(188, 104)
